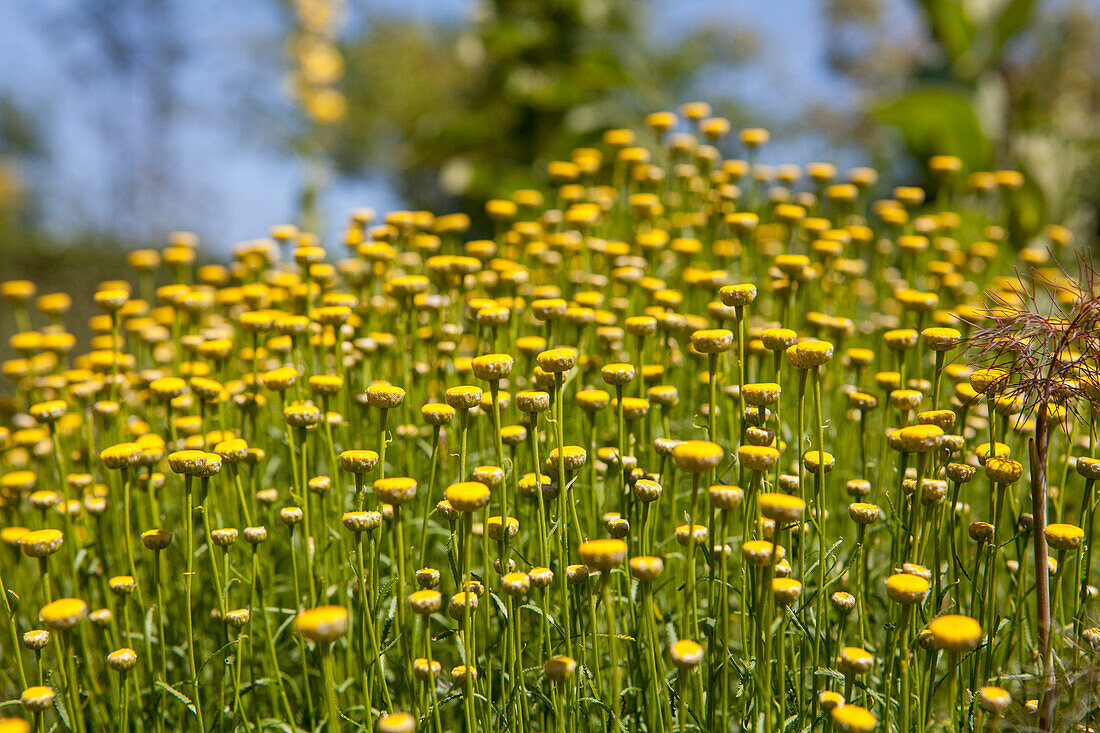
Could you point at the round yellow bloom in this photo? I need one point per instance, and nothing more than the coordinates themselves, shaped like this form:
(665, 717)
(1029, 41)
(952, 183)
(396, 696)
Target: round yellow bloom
(62, 614)
(467, 496)
(906, 589)
(686, 654)
(41, 543)
(696, 456)
(397, 723)
(323, 624)
(1065, 537)
(603, 554)
(954, 633)
(853, 719)
(810, 354)
(919, 438)
(781, 507)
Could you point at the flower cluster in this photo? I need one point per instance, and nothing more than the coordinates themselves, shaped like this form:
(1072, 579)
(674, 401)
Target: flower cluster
(691, 442)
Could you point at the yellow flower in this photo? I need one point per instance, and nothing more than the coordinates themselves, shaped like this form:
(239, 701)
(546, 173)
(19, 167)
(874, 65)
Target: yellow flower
(954, 633)
(63, 614)
(853, 719)
(322, 625)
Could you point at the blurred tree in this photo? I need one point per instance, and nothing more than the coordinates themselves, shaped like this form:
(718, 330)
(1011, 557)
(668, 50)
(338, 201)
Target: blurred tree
(1000, 83)
(464, 112)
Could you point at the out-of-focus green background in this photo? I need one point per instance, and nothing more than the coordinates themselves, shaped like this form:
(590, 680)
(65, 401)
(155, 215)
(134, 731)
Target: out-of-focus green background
(123, 121)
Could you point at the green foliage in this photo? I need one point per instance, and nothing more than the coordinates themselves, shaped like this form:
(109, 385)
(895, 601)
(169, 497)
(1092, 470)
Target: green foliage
(937, 120)
(463, 113)
(991, 99)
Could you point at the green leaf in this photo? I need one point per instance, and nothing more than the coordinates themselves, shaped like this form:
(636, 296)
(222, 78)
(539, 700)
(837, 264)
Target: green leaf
(217, 653)
(176, 694)
(1013, 18)
(937, 120)
(58, 701)
(950, 26)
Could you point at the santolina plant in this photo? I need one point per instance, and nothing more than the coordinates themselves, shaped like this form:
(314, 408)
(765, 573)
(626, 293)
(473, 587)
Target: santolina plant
(692, 443)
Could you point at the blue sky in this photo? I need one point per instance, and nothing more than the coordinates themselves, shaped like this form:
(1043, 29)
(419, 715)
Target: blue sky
(230, 178)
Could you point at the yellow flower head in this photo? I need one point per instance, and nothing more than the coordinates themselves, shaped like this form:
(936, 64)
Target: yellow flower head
(63, 614)
(467, 496)
(323, 624)
(955, 633)
(603, 554)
